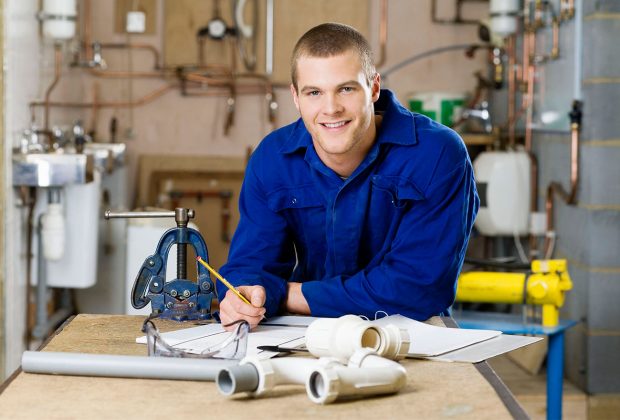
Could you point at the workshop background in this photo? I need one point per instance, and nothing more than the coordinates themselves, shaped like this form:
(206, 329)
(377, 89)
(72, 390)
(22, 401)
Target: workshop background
(167, 109)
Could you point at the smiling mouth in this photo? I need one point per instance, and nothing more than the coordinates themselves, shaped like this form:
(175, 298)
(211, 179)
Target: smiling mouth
(335, 124)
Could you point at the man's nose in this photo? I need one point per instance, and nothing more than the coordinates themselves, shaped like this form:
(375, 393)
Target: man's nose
(332, 104)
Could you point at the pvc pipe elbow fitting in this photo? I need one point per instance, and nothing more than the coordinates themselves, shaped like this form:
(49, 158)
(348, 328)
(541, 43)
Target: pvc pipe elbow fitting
(341, 337)
(366, 374)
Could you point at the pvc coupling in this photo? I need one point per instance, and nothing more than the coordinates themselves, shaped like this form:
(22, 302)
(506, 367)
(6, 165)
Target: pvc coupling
(341, 337)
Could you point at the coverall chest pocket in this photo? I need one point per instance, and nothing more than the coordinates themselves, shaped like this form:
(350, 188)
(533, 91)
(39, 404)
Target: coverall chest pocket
(304, 210)
(390, 193)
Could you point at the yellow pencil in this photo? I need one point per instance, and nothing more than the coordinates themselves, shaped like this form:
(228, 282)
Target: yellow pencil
(223, 280)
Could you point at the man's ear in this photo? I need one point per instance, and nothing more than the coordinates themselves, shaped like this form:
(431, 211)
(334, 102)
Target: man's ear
(295, 97)
(376, 87)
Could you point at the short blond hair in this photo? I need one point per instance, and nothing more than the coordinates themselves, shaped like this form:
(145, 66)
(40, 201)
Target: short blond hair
(329, 39)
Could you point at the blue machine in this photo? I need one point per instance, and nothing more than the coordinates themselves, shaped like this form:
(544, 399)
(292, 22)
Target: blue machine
(179, 299)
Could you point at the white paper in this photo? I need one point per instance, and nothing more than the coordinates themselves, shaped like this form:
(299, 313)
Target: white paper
(429, 340)
(486, 349)
(289, 331)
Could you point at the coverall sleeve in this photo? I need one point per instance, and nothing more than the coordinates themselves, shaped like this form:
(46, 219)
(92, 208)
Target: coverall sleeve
(417, 276)
(261, 252)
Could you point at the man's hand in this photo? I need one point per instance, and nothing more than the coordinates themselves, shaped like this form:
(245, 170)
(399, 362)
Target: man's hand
(295, 301)
(233, 309)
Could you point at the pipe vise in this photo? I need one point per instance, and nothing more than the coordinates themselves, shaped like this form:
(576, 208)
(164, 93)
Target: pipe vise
(179, 299)
(545, 285)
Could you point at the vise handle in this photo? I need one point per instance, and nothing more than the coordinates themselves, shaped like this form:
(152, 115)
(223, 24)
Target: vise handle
(181, 215)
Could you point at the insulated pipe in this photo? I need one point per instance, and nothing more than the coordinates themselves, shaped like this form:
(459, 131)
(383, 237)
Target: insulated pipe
(341, 337)
(82, 364)
(366, 374)
(258, 377)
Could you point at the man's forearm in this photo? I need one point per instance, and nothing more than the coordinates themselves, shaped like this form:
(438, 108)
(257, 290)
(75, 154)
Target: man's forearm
(295, 301)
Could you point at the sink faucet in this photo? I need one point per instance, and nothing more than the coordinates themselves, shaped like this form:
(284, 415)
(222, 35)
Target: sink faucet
(97, 60)
(79, 136)
(481, 113)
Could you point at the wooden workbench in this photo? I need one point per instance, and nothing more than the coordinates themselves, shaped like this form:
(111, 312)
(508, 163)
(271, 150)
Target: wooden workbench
(434, 389)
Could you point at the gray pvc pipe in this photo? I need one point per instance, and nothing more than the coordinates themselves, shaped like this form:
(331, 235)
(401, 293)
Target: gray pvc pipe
(81, 364)
(235, 379)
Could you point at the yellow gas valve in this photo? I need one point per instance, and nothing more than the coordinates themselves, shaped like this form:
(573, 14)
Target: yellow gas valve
(545, 285)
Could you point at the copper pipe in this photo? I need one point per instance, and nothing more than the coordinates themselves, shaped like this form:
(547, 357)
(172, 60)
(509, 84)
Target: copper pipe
(142, 101)
(206, 80)
(570, 197)
(48, 93)
(270, 95)
(147, 47)
(230, 109)
(525, 62)
(533, 195)
(106, 74)
(555, 49)
(88, 49)
(530, 109)
(95, 110)
(510, 46)
(383, 33)
(574, 163)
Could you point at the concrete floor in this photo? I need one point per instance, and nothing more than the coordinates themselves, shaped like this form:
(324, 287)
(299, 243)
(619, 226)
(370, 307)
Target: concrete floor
(530, 391)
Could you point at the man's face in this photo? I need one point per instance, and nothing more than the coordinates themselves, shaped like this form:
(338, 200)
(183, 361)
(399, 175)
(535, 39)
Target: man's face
(336, 105)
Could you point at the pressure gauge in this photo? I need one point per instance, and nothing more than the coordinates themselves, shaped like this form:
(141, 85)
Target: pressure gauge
(217, 28)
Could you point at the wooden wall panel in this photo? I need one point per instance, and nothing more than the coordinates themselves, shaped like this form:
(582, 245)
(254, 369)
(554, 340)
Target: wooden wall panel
(183, 18)
(292, 18)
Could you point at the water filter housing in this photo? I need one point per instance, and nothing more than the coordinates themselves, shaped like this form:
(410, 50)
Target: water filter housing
(59, 19)
(503, 182)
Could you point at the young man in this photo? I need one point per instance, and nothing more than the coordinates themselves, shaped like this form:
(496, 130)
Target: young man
(358, 207)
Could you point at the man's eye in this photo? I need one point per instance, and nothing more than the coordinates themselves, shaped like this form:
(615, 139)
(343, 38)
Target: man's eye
(347, 89)
(313, 93)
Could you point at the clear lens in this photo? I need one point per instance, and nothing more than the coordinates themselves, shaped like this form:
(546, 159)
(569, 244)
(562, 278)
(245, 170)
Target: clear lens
(234, 346)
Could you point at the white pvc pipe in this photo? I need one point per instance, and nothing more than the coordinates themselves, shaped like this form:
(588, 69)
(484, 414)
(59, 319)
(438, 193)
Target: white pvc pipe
(81, 364)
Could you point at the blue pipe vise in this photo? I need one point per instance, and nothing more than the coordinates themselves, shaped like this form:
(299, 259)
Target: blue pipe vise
(179, 299)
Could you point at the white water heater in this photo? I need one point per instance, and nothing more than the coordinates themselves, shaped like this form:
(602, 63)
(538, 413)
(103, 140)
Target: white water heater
(503, 182)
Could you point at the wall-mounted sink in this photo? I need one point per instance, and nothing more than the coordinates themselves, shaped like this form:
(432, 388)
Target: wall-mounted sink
(52, 169)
